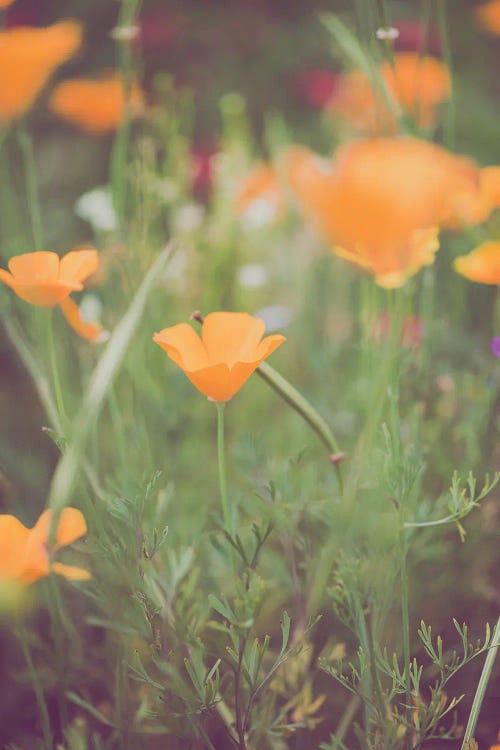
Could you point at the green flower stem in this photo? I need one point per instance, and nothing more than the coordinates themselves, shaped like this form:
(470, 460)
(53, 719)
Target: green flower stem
(119, 155)
(31, 185)
(449, 124)
(405, 619)
(481, 687)
(295, 399)
(53, 366)
(222, 467)
(37, 689)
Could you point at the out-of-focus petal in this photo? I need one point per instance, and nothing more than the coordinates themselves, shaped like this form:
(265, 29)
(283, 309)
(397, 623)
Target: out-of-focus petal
(71, 572)
(88, 330)
(78, 265)
(482, 264)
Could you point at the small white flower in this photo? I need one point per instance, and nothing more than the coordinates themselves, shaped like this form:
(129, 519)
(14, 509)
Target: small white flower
(252, 275)
(389, 32)
(90, 307)
(124, 33)
(96, 207)
(189, 218)
(260, 213)
(275, 317)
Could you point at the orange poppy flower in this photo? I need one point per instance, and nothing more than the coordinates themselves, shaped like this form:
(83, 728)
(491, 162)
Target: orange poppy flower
(381, 201)
(417, 85)
(96, 105)
(259, 197)
(488, 16)
(482, 264)
(28, 57)
(25, 557)
(221, 361)
(45, 280)
(5, 3)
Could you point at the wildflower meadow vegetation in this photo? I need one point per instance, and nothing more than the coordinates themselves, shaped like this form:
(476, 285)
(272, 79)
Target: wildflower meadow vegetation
(250, 339)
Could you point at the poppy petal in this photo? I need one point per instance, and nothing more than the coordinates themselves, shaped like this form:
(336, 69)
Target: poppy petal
(13, 538)
(482, 264)
(39, 266)
(71, 527)
(86, 329)
(231, 337)
(78, 265)
(71, 572)
(183, 346)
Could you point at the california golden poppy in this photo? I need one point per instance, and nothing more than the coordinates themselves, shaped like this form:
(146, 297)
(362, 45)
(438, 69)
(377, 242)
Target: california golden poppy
(25, 556)
(381, 201)
(45, 280)
(415, 84)
(96, 105)
(5, 3)
(221, 361)
(482, 264)
(488, 16)
(28, 57)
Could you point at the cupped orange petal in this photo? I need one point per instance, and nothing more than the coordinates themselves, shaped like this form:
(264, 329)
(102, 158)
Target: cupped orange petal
(71, 526)
(28, 57)
(13, 539)
(231, 337)
(98, 105)
(77, 265)
(183, 346)
(482, 264)
(39, 266)
(87, 329)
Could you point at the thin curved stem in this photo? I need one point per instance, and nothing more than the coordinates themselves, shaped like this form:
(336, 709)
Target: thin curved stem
(222, 467)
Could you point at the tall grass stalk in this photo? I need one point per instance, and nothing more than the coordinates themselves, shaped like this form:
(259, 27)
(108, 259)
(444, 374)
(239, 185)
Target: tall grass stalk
(102, 379)
(481, 688)
(31, 184)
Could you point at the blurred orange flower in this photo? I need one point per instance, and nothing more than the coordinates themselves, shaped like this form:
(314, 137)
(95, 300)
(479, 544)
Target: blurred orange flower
(96, 105)
(382, 200)
(45, 280)
(28, 57)
(25, 555)
(5, 3)
(482, 264)
(260, 195)
(221, 361)
(488, 16)
(417, 85)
